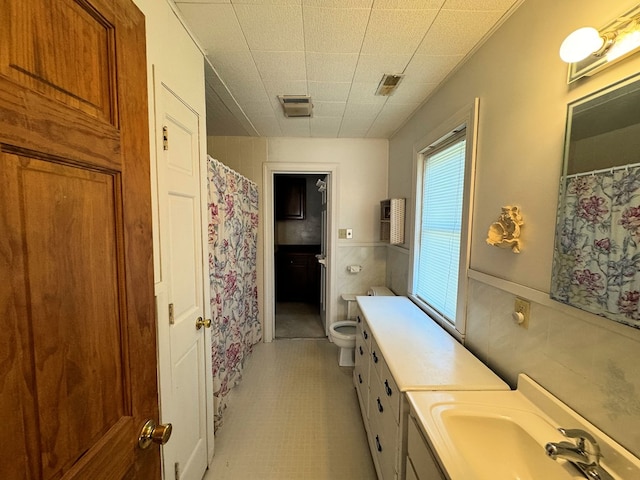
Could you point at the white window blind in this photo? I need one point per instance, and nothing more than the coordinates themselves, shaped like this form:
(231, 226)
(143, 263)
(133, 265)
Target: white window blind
(439, 252)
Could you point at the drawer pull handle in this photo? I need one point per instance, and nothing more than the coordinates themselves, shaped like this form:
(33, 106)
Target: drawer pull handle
(378, 446)
(380, 407)
(360, 378)
(375, 357)
(387, 388)
(358, 319)
(365, 334)
(360, 349)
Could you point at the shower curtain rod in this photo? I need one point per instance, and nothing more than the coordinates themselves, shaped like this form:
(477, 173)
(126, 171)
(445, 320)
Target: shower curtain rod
(603, 170)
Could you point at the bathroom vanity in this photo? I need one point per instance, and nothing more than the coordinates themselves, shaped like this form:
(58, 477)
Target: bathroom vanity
(400, 349)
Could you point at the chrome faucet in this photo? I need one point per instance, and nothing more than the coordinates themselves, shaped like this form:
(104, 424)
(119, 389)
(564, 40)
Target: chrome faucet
(584, 453)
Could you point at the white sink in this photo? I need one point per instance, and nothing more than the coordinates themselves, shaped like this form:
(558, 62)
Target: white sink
(501, 435)
(491, 441)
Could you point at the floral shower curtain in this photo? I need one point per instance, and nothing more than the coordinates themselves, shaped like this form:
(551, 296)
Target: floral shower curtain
(233, 230)
(597, 256)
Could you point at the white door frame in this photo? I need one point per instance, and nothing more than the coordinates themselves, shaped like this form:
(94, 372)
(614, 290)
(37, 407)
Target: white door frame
(269, 170)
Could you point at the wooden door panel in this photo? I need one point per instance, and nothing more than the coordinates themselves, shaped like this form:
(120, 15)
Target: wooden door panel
(64, 49)
(77, 354)
(67, 240)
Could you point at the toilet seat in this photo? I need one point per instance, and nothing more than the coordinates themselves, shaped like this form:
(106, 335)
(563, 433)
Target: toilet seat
(343, 333)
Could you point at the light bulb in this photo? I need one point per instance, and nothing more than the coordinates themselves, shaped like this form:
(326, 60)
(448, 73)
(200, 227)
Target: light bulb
(580, 44)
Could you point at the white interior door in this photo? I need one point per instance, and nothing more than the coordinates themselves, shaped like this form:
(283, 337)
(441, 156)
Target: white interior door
(323, 255)
(184, 375)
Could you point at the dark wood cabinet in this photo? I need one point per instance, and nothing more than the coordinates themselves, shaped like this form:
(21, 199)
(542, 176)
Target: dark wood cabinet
(290, 196)
(297, 276)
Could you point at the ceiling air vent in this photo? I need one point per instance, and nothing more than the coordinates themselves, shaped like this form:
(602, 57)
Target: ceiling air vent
(388, 84)
(296, 105)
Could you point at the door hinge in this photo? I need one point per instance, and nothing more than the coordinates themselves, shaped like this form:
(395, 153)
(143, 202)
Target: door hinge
(172, 319)
(165, 138)
(177, 470)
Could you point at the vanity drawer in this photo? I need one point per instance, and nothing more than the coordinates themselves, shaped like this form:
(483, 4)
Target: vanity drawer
(391, 391)
(383, 433)
(376, 358)
(363, 330)
(419, 456)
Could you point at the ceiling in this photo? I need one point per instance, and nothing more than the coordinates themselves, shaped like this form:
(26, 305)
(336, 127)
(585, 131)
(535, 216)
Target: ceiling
(336, 51)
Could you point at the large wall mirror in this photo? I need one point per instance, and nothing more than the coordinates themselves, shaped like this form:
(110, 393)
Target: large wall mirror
(596, 264)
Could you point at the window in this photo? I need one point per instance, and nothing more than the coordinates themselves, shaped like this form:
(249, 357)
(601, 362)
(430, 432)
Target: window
(441, 241)
(439, 253)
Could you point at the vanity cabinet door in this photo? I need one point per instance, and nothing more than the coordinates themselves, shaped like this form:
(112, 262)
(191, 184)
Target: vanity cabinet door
(419, 455)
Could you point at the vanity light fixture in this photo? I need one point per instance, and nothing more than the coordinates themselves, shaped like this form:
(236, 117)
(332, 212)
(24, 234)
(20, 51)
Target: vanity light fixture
(618, 39)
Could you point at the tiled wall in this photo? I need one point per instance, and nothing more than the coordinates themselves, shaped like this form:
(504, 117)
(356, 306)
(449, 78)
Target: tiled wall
(372, 259)
(590, 365)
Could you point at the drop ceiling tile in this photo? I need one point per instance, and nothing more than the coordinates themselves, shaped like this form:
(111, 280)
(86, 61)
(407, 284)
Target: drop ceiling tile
(275, 87)
(334, 30)
(390, 119)
(396, 31)
(294, 127)
(328, 109)
(381, 130)
(232, 66)
(361, 113)
(272, 27)
(478, 5)
(329, 91)
(409, 4)
(371, 67)
(223, 35)
(325, 126)
(267, 126)
(331, 67)
(411, 93)
(347, 131)
(429, 68)
(365, 93)
(202, 1)
(258, 109)
(338, 3)
(282, 66)
(456, 32)
(266, 2)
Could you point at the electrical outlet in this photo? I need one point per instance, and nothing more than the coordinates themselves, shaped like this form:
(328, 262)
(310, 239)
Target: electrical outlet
(342, 233)
(522, 312)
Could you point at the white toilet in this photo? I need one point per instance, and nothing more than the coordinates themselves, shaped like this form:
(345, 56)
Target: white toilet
(343, 333)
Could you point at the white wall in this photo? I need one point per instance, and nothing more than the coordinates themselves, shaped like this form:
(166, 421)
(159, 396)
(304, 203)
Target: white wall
(361, 181)
(588, 362)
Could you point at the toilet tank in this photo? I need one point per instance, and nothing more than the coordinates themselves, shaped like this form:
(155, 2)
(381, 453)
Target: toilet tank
(380, 292)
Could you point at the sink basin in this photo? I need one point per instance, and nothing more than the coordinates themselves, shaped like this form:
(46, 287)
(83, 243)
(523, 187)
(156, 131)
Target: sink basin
(501, 435)
(496, 442)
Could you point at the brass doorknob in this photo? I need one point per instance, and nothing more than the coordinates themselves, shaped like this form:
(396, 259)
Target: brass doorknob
(152, 433)
(202, 323)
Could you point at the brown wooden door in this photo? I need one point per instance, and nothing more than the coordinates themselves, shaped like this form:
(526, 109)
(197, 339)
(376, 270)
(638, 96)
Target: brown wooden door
(77, 345)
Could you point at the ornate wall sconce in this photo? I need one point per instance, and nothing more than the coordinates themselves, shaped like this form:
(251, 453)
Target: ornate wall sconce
(505, 233)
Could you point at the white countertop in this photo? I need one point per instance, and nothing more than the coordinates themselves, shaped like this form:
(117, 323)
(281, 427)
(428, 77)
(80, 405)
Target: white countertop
(420, 354)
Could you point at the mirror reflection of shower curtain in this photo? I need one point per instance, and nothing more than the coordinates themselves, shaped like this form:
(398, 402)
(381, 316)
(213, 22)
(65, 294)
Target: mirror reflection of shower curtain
(233, 233)
(597, 253)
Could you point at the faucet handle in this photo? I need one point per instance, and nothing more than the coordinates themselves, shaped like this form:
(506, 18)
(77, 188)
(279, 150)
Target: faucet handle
(583, 438)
